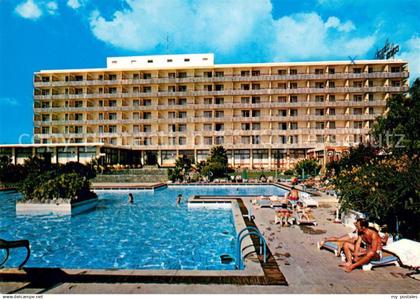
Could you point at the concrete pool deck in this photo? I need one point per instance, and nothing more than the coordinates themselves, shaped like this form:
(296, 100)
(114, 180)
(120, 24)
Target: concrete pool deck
(307, 270)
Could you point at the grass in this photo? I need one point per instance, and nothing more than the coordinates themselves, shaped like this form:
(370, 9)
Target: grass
(256, 174)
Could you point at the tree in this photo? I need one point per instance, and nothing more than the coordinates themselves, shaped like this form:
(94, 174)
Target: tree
(308, 166)
(383, 181)
(216, 165)
(401, 120)
(183, 166)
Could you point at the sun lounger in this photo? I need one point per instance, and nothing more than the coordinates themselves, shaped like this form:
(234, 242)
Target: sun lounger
(308, 201)
(331, 246)
(303, 221)
(384, 261)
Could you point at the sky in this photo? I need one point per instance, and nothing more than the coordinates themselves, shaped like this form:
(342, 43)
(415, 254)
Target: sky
(67, 34)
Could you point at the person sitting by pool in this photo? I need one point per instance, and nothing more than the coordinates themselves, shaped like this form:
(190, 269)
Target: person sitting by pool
(347, 238)
(130, 198)
(178, 199)
(357, 256)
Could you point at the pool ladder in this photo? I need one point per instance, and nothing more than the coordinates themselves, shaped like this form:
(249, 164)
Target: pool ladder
(249, 231)
(7, 245)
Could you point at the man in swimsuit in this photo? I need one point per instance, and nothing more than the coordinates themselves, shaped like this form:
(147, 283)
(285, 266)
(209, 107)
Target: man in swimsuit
(359, 255)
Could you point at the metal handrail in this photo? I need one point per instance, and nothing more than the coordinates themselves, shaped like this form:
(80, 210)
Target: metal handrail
(251, 231)
(15, 244)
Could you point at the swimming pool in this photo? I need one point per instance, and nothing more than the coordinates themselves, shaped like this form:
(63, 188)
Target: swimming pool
(152, 233)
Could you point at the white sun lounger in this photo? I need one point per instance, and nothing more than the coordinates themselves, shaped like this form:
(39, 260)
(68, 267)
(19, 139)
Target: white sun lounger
(308, 201)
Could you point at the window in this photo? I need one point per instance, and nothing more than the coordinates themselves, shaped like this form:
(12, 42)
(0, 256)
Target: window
(255, 86)
(293, 85)
(182, 140)
(112, 129)
(101, 116)
(395, 69)
(293, 71)
(219, 127)
(395, 83)
(357, 98)
(182, 88)
(319, 138)
(207, 101)
(293, 99)
(357, 111)
(282, 86)
(319, 112)
(331, 71)
(370, 96)
(256, 113)
(207, 127)
(255, 73)
(150, 61)
(331, 111)
(370, 83)
(256, 100)
(112, 116)
(294, 139)
(147, 115)
(282, 126)
(319, 99)
(319, 84)
(245, 113)
(218, 87)
(282, 139)
(357, 83)
(220, 114)
(182, 75)
(319, 125)
(207, 114)
(256, 126)
(245, 127)
(283, 112)
(244, 86)
(182, 114)
(219, 101)
(186, 59)
(357, 70)
(293, 126)
(245, 139)
(371, 110)
(208, 74)
(147, 76)
(208, 140)
(136, 103)
(282, 99)
(244, 73)
(219, 74)
(169, 60)
(282, 72)
(171, 102)
(332, 138)
(182, 127)
(245, 100)
(171, 75)
(219, 140)
(136, 129)
(319, 71)
(331, 98)
(45, 130)
(293, 112)
(331, 125)
(182, 101)
(171, 114)
(255, 139)
(358, 125)
(147, 102)
(331, 84)
(208, 87)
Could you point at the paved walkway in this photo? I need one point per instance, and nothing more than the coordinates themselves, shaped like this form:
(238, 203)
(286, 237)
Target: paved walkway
(307, 270)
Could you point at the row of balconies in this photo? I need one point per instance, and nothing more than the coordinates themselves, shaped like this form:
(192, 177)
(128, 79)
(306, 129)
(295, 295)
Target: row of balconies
(227, 92)
(377, 75)
(238, 133)
(209, 119)
(267, 105)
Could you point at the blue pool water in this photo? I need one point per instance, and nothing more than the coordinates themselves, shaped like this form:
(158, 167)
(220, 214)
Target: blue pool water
(150, 234)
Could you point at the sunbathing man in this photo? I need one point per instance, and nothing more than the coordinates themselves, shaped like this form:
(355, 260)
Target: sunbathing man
(284, 213)
(361, 256)
(306, 213)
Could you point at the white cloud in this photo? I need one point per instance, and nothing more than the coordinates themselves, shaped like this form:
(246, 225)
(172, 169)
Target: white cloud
(221, 25)
(52, 7)
(8, 102)
(225, 27)
(334, 22)
(28, 10)
(305, 36)
(75, 4)
(410, 51)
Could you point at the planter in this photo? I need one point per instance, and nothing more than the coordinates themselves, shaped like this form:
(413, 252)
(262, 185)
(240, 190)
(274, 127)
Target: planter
(56, 208)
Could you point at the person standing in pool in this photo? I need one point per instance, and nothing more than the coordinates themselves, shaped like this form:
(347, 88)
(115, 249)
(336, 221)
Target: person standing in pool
(178, 199)
(130, 198)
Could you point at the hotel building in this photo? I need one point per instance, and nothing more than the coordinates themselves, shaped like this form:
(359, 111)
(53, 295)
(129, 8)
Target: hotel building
(267, 115)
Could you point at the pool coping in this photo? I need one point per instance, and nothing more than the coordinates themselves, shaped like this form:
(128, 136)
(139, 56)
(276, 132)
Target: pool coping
(255, 272)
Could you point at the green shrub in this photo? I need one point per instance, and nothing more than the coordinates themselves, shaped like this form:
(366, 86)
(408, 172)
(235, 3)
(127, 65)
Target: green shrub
(307, 166)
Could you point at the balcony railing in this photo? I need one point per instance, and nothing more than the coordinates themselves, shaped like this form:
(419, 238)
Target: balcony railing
(375, 75)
